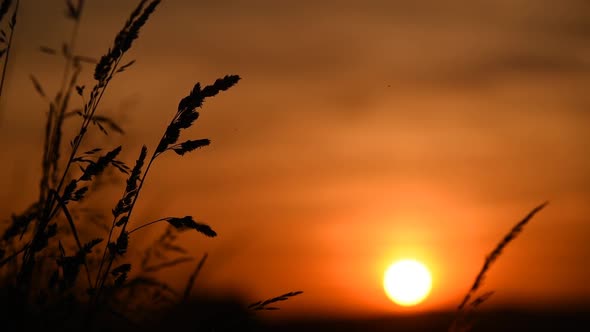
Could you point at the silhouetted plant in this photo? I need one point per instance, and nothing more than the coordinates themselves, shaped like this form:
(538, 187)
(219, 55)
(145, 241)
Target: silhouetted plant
(54, 196)
(183, 119)
(265, 305)
(42, 232)
(6, 39)
(463, 321)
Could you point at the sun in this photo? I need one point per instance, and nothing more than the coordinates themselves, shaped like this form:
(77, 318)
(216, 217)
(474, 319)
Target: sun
(407, 282)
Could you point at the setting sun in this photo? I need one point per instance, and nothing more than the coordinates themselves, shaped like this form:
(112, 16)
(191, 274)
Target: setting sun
(407, 282)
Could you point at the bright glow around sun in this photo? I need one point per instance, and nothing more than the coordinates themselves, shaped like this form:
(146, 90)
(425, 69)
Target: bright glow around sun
(407, 282)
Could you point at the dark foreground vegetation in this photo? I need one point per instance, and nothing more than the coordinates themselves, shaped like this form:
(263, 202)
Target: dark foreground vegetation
(63, 265)
(567, 319)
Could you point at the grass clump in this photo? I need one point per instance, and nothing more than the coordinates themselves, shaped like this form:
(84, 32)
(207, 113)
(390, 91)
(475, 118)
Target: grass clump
(55, 273)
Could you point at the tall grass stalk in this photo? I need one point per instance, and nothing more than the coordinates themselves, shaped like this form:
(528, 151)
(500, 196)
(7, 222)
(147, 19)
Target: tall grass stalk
(183, 119)
(470, 300)
(4, 8)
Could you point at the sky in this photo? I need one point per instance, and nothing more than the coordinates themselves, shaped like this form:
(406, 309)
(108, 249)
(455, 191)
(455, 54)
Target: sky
(360, 133)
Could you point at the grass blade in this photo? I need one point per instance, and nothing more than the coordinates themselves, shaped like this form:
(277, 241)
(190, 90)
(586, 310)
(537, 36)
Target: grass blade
(64, 208)
(493, 256)
(193, 277)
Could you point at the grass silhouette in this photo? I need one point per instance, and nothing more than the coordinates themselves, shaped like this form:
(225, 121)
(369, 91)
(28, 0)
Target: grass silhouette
(463, 320)
(6, 42)
(52, 276)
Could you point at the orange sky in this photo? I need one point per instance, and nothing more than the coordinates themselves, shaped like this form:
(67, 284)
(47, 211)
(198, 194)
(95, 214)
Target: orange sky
(362, 132)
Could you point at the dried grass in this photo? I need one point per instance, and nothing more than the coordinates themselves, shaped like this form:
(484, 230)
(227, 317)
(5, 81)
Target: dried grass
(463, 320)
(46, 236)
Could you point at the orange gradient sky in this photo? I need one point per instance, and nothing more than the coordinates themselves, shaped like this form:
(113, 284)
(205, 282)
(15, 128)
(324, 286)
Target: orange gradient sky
(362, 132)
